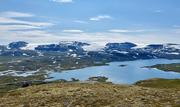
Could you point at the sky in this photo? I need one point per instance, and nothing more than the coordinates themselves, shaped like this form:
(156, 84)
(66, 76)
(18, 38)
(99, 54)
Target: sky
(93, 21)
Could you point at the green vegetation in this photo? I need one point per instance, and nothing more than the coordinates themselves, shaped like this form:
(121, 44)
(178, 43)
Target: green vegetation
(167, 67)
(44, 63)
(98, 79)
(160, 83)
(90, 95)
(3, 68)
(10, 58)
(8, 83)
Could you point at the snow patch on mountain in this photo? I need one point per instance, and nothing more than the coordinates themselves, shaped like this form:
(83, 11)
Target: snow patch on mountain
(176, 46)
(30, 47)
(173, 53)
(121, 52)
(140, 46)
(93, 47)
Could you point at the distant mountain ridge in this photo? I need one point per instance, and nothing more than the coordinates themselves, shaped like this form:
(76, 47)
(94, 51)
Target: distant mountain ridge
(111, 51)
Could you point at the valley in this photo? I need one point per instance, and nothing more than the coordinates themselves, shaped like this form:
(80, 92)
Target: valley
(69, 66)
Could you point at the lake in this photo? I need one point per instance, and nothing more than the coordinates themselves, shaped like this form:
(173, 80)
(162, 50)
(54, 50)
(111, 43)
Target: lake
(128, 74)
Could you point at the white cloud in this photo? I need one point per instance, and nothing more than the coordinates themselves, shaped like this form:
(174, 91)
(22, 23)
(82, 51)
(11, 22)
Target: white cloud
(97, 38)
(5, 20)
(32, 36)
(13, 14)
(12, 29)
(125, 31)
(72, 31)
(62, 1)
(119, 30)
(100, 17)
(16, 27)
(8, 22)
(80, 21)
(158, 11)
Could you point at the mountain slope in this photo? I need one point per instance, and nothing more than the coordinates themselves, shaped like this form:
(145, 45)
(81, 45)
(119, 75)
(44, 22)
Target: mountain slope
(90, 94)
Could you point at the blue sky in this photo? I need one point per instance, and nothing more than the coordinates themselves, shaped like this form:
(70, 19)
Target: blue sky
(97, 21)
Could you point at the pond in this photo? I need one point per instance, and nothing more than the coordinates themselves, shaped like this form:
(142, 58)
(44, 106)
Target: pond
(127, 72)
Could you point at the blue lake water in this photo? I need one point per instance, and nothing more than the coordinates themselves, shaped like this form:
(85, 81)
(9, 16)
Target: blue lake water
(129, 74)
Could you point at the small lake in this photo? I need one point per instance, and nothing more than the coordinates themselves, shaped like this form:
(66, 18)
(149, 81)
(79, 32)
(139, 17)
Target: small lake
(129, 74)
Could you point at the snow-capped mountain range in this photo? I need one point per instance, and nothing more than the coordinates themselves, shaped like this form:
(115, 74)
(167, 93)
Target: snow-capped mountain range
(110, 52)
